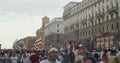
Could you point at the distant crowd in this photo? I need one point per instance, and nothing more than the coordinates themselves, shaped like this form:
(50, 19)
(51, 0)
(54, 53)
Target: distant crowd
(55, 55)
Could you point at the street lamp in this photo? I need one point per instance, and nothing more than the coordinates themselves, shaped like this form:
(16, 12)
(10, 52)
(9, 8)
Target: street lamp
(0, 46)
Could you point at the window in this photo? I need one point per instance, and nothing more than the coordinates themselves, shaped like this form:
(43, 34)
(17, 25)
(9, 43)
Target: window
(95, 30)
(92, 31)
(116, 14)
(107, 17)
(58, 41)
(103, 1)
(86, 33)
(95, 5)
(117, 25)
(57, 30)
(89, 32)
(99, 2)
(107, 27)
(80, 33)
(99, 30)
(58, 36)
(103, 28)
(111, 16)
(58, 25)
(111, 26)
(107, 7)
(83, 33)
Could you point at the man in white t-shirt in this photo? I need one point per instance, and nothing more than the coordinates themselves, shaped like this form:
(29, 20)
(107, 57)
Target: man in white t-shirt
(52, 56)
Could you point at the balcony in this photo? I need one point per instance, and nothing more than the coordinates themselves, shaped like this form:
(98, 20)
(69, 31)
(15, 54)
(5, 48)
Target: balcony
(100, 15)
(113, 10)
(84, 21)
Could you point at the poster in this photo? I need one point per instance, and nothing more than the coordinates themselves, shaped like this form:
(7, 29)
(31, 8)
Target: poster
(106, 42)
(98, 43)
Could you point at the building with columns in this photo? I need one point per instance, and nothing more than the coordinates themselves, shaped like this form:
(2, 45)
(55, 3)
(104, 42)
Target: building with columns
(54, 33)
(93, 23)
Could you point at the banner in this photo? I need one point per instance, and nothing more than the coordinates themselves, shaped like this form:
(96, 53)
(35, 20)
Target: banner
(106, 42)
(98, 43)
(111, 41)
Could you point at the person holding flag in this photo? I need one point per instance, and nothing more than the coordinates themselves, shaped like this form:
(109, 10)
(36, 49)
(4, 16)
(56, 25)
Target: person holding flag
(34, 58)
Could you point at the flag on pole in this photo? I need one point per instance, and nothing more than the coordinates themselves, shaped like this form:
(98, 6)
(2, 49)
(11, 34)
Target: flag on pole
(37, 42)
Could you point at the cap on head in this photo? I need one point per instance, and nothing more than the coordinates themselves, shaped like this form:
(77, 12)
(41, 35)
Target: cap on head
(52, 49)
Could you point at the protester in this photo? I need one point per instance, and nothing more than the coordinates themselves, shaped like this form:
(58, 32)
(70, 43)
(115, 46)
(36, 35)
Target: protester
(52, 56)
(72, 56)
(79, 61)
(24, 58)
(60, 56)
(118, 56)
(112, 58)
(104, 57)
(6, 57)
(66, 57)
(14, 58)
(34, 58)
(79, 56)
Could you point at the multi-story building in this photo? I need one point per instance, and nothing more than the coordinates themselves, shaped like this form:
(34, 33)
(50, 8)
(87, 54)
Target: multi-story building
(18, 44)
(94, 23)
(25, 43)
(40, 32)
(54, 33)
(28, 42)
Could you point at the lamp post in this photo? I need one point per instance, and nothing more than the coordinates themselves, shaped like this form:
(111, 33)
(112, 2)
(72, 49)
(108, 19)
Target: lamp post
(0, 46)
(77, 31)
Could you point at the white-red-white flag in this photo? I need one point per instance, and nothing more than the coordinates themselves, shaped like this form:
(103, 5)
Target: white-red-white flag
(37, 42)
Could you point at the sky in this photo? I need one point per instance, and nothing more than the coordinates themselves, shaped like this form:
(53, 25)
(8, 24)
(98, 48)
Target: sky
(21, 18)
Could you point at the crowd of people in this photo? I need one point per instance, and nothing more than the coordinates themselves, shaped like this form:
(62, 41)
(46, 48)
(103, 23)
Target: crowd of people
(55, 55)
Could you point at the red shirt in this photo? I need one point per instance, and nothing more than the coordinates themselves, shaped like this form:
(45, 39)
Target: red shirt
(34, 58)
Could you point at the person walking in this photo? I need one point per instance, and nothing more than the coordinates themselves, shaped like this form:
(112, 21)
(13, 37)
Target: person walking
(52, 56)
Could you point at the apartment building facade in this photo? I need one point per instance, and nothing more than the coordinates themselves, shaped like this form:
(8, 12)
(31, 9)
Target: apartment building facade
(54, 33)
(93, 23)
